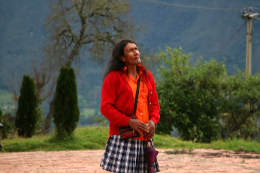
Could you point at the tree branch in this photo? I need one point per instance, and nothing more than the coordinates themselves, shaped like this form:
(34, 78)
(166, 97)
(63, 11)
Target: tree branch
(237, 126)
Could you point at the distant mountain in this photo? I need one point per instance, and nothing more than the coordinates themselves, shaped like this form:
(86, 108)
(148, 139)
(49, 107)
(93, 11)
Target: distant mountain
(201, 27)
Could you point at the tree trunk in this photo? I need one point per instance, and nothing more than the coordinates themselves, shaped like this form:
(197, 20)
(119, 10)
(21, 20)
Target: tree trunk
(237, 126)
(48, 120)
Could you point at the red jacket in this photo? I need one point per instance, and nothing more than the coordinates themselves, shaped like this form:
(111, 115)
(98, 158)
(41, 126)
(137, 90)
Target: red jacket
(117, 96)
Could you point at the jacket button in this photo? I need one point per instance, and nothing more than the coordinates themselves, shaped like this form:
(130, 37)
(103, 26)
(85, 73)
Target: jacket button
(141, 113)
(151, 92)
(150, 103)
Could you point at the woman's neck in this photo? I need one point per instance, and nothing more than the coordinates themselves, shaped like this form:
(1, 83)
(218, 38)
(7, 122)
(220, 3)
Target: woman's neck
(132, 71)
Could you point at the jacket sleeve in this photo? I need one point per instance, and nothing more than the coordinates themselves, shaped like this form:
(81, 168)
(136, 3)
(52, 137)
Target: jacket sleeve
(108, 99)
(155, 108)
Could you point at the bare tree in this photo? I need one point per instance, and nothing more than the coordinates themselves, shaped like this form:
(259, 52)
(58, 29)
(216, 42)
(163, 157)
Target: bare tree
(79, 27)
(42, 75)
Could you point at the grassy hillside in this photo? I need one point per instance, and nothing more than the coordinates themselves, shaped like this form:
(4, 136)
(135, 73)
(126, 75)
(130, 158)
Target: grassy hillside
(88, 138)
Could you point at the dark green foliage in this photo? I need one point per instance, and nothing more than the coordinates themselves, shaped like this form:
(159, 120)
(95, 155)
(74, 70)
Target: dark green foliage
(66, 110)
(26, 116)
(188, 96)
(203, 102)
(1, 116)
(241, 108)
(3, 123)
(7, 121)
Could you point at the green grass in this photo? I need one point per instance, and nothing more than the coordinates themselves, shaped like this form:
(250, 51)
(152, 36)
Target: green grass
(234, 144)
(82, 139)
(89, 138)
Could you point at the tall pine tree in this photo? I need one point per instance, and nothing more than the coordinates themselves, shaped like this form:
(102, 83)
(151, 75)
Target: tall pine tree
(26, 116)
(66, 110)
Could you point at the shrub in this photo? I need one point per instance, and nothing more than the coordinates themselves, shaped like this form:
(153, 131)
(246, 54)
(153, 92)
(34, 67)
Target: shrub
(241, 108)
(26, 115)
(203, 102)
(66, 110)
(189, 95)
(8, 125)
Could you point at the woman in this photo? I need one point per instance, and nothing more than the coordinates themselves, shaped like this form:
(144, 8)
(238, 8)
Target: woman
(117, 105)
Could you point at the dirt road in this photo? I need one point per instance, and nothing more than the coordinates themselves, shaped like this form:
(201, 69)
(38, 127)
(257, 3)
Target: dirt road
(201, 160)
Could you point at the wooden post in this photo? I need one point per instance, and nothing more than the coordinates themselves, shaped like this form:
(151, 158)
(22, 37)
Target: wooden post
(249, 16)
(248, 44)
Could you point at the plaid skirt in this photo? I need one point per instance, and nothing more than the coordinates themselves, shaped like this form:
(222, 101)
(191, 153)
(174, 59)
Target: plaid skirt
(126, 156)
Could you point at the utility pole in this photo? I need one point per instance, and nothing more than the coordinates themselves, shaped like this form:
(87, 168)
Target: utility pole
(249, 16)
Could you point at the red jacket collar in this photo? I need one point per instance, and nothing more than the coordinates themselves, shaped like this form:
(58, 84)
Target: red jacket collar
(140, 68)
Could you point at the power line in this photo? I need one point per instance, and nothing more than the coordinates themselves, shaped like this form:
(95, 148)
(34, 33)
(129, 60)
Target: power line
(184, 6)
(252, 7)
(256, 7)
(230, 39)
(206, 8)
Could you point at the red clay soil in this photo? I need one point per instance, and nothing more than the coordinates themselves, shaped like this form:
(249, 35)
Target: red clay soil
(200, 160)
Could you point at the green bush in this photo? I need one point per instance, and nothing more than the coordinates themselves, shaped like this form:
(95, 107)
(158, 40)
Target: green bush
(66, 110)
(203, 102)
(188, 96)
(26, 115)
(241, 108)
(6, 120)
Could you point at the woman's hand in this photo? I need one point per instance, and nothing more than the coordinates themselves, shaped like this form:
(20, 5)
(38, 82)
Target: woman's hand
(138, 126)
(151, 127)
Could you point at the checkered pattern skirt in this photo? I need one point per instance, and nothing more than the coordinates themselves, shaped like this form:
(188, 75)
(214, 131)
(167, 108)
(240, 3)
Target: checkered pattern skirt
(126, 156)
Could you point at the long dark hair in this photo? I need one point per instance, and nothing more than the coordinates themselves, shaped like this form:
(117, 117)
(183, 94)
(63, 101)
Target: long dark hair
(115, 63)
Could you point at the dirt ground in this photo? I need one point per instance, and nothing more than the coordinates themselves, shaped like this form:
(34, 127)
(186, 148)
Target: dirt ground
(200, 160)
